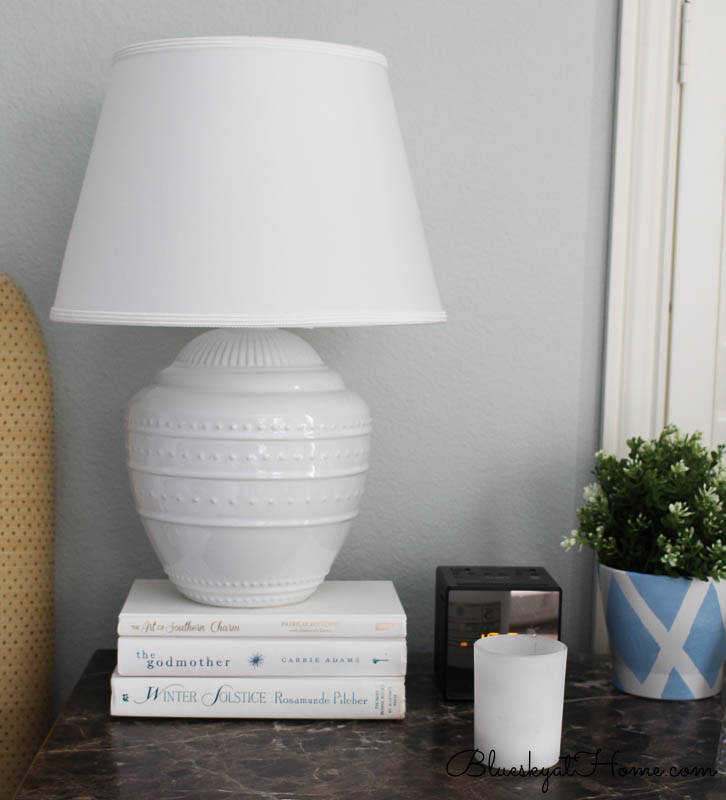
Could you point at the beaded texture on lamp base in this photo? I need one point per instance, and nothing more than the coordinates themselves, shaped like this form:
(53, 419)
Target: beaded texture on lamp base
(247, 459)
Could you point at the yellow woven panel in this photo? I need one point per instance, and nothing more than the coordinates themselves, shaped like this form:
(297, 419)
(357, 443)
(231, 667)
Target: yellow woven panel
(26, 537)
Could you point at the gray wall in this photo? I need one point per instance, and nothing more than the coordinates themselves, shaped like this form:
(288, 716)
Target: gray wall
(484, 427)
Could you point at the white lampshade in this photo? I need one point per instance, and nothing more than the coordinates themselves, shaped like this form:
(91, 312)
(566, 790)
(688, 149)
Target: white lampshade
(254, 182)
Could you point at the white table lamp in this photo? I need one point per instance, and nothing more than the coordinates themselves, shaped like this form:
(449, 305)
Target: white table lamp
(247, 183)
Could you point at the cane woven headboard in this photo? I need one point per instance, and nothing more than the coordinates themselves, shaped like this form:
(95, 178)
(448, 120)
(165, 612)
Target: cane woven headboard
(26, 537)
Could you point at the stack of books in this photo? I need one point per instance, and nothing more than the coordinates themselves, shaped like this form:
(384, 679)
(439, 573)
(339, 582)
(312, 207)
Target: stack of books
(340, 654)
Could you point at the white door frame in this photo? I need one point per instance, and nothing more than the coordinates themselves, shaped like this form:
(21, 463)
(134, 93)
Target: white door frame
(645, 166)
(642, 221)
(697, 364)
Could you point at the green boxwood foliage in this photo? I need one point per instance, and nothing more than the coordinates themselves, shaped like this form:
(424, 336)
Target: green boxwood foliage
(660, 511)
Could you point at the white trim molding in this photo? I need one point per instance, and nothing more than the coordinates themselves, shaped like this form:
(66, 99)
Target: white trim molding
(642, 221)
(696, 399)
(642, 225)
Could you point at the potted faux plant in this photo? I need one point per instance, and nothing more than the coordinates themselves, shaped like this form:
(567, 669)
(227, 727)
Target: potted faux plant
(657, 522)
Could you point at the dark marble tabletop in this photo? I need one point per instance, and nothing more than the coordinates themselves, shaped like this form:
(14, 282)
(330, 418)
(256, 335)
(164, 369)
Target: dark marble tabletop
(91, 755)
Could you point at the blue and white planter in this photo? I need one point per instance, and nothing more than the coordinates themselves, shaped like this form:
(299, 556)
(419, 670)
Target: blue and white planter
(667, 635)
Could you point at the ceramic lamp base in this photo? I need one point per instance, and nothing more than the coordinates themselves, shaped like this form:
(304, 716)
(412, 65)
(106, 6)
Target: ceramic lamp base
(247, 458)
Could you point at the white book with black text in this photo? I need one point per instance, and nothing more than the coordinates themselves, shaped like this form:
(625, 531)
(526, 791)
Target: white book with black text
(277, 698)
(350, 609)
(165, 655)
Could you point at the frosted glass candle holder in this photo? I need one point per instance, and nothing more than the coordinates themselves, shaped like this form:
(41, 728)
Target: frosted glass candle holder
(519, 688)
